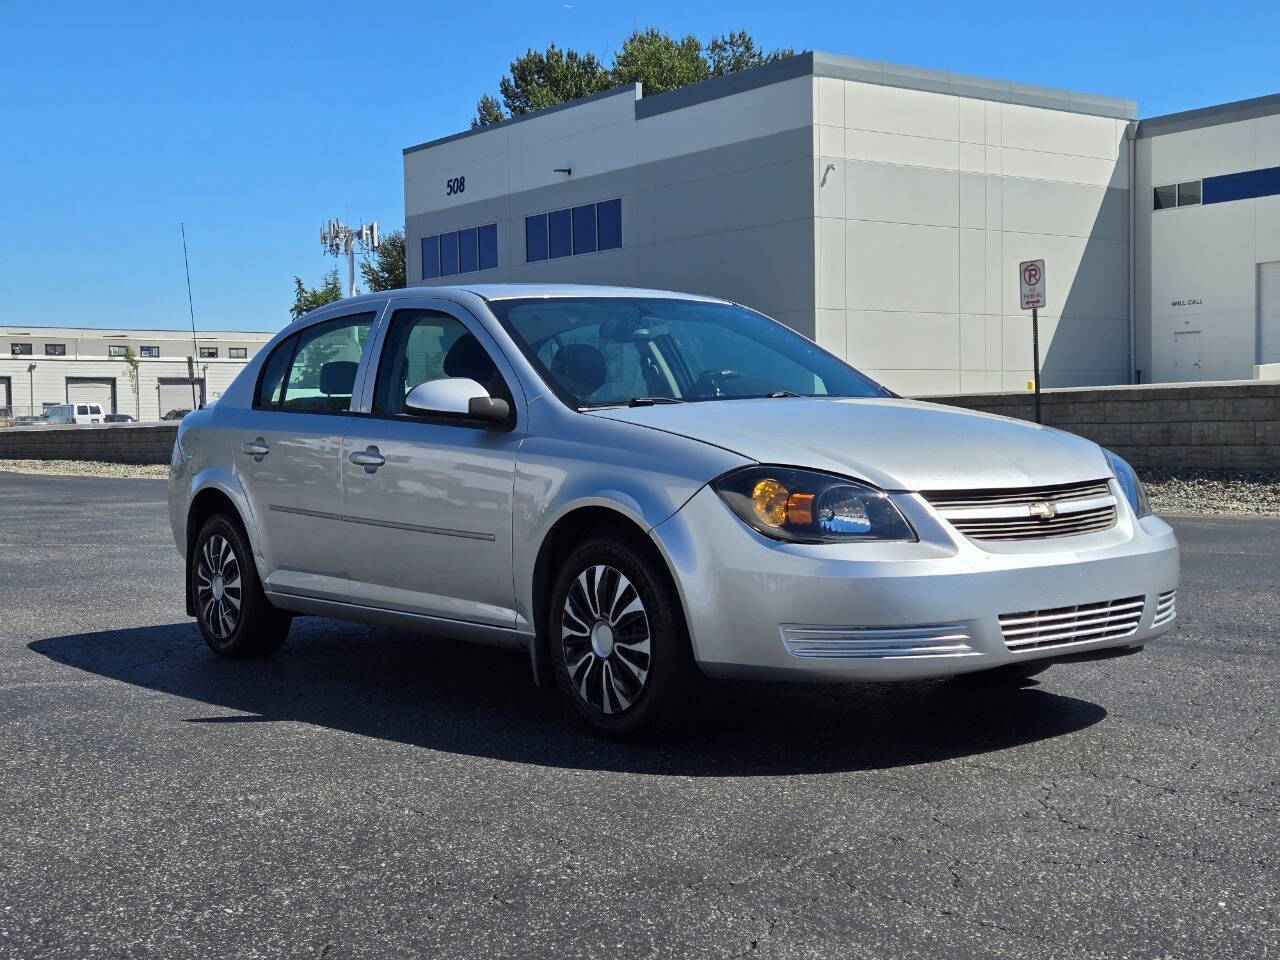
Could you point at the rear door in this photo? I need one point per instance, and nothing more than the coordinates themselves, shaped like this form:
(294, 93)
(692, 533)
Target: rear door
(429, 528)
(288, 450)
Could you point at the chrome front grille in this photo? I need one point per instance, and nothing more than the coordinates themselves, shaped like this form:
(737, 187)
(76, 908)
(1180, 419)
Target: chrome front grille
(875, 643)
(1058, 626)
(1028, 513)
(1166, 608)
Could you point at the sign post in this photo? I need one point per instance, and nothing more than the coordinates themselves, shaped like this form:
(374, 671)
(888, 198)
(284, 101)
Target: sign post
(1031, 281)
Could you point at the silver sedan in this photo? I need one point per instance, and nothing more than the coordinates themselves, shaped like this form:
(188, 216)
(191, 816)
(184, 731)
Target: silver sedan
(646, 489)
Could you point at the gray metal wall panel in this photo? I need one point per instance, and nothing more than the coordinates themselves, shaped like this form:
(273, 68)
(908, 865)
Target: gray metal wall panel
(732, 222)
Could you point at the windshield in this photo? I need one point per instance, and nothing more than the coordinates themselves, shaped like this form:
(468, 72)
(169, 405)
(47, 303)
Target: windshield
(610, 351)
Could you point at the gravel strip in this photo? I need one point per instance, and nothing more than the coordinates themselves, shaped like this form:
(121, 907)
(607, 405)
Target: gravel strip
(1170, 491)
(87, 468)
(1188, 491)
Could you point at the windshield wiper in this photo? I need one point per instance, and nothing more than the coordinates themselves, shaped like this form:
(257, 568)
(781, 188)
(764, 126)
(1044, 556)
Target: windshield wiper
(783, 393)
(650, 401)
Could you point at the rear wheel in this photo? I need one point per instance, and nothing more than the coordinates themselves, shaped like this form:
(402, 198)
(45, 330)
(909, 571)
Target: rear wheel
(234, 614)
(619, 645)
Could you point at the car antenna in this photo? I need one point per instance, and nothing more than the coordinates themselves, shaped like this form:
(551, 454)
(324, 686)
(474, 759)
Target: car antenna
(195, 349)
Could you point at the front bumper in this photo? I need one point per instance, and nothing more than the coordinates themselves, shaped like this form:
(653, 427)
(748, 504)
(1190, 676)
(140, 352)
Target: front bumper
(761, 609)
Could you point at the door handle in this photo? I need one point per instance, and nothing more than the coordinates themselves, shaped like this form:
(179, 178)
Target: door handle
(368, 458)
(255, 448)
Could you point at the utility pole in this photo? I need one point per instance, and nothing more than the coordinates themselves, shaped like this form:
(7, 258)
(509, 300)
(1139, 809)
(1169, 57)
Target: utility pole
(31, 384)
(338, 239)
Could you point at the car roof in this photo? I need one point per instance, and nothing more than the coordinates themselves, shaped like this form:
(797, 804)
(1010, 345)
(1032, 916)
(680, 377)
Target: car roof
(516, 291)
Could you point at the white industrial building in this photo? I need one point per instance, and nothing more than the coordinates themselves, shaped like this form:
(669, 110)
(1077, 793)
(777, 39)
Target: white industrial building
(1208, 243)
(881, 210)
(44, 366)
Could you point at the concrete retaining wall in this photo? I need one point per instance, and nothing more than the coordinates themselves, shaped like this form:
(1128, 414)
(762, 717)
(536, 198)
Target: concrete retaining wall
(109, 442)
(1216, 426)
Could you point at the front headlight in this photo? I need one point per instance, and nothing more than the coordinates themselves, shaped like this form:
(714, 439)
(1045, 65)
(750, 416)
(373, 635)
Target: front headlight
(1129, 483)
(804, 506)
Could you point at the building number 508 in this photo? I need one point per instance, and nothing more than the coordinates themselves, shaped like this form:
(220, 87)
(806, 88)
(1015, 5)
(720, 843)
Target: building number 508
(455, 185)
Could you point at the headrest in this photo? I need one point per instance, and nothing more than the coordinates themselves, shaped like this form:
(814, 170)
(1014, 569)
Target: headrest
(338, 377)
(581, 368)
(466, 358)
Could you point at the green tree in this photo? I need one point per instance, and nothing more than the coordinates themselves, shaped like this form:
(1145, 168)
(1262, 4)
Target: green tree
(131, 371)
(736, 50)
(386, 270)
(543, 79)
(306, 299)
(651, 57)
(660, 62)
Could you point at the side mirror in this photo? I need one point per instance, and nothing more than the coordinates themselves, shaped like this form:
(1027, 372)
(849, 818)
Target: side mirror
(457, 397)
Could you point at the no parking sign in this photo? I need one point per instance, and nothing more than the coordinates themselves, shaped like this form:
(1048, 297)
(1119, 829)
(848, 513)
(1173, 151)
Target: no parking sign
(1031, 278)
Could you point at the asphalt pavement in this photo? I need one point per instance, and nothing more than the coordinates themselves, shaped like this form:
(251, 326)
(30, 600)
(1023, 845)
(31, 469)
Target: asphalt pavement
(371, 793)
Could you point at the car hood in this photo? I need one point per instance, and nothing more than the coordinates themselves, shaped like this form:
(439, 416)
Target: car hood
(892, 443)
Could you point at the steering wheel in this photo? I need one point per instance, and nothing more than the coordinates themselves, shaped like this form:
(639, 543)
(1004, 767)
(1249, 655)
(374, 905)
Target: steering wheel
(710, 383)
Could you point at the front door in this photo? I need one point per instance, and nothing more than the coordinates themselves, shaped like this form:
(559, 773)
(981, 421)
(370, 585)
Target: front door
(1186, 356)
(427, 502)
(288, 449)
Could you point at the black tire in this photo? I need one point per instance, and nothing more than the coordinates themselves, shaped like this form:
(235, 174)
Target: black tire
(220, 572)
(1009, 675)
(610, 680)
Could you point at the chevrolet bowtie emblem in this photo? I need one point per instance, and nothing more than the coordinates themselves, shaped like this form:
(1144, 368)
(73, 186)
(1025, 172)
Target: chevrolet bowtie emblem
(1042, 510)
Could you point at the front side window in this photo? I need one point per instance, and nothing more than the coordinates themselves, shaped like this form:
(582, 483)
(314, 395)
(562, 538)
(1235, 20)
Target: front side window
(208, 353)
(315, 369)
(608, 351)
(55, 349)
(20, 349)
(82, 410)
(426, 345)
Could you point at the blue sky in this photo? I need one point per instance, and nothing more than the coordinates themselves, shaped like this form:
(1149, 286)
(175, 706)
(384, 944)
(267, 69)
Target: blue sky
(254, 123)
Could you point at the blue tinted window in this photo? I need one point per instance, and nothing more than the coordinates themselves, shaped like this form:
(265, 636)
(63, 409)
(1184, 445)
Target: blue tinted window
(535, 238)
(430, 257)
(560, 227)
(584, 229)
(609, 224)
(448, 254)
(488, 246)
(468, 260)
(1242, 186)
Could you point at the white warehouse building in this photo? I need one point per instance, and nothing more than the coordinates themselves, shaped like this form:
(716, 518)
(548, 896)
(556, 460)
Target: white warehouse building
(41, 367)
(880, 210)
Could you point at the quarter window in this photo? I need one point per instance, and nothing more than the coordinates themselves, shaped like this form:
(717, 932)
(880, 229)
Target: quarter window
(20, 349)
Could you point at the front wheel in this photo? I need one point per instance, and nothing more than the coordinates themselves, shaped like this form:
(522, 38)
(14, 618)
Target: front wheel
(234, 614)
(619, 645)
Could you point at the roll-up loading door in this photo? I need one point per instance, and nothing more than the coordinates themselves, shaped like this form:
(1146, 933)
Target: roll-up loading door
(99, 390)
(175, 394)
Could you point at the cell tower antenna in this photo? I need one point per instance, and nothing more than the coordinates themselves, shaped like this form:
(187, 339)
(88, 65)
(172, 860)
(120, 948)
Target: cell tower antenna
(338, 240)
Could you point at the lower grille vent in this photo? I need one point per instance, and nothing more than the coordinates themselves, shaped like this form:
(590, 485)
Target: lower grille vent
(1058, 626)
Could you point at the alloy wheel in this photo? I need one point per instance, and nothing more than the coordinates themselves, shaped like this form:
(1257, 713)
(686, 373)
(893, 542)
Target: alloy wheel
(605, 635)
(218, 587)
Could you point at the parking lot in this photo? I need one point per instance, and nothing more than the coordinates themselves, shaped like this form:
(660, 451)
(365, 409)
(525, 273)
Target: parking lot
(373, 793)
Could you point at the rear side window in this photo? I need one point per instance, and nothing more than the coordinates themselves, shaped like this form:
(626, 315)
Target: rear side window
(82, 410)
(315, 370)
(95, 409)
